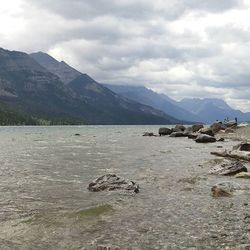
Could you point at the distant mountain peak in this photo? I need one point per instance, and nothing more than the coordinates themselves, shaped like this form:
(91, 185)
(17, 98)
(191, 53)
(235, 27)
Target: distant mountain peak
(65, 72)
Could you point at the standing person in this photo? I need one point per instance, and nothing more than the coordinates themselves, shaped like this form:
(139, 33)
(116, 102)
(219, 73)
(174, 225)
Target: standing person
(236, 120)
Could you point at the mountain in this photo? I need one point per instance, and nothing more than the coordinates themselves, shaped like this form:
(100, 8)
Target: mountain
(31, 89)
(158, 101)
(212, 109)
(65, 72)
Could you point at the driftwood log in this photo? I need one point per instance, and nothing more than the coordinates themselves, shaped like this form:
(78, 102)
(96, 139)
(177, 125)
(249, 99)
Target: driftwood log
(235, 154)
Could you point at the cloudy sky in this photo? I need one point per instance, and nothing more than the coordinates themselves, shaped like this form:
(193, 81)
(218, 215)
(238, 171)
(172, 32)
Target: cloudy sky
(183, 48)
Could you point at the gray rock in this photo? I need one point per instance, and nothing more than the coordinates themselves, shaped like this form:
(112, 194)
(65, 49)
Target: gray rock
(203, 138)
(178, 134)
(193, 136)
(179, 128)
(217, 126)
(197, 127)
(207, 131)
(228, 168)
(112, 182)
(188, 131)
(244, 146)
(165, 131)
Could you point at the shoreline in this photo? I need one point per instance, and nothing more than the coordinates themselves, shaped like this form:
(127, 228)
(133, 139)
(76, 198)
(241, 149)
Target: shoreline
(240, 134)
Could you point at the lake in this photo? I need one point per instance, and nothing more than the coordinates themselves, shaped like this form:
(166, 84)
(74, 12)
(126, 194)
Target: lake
(45, 203)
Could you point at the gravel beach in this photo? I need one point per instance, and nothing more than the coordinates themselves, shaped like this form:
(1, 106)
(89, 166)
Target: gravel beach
(241, 134)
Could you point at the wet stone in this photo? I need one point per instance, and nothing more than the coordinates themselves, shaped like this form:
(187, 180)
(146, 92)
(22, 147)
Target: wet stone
(111, 182)
(204, 138)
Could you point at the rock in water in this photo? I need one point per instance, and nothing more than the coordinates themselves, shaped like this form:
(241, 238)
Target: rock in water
(229, 168)
(203, 138)
(225, 189)
(112, 182)
(178, 134)
(207, 131)
(165, 131)
(197, 127)
(179, 128)
(148, 134)
(217, 126)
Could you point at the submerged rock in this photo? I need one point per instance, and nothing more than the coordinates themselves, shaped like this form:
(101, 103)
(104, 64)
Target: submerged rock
(245, 175)
(225, 189)
(112, 182)
(148, 134)
(165, 131)
(228, 168)
(203, 138)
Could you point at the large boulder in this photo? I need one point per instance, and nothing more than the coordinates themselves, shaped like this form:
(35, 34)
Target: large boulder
(179, 128)
(217, 126)
(178, 134)
(228, 168)
(192, 135)
(197, 127)
(225, 189)
(207, 131)
(188, 131)
(112, 182)
(165, 131)
(203, 138)
(244, 146)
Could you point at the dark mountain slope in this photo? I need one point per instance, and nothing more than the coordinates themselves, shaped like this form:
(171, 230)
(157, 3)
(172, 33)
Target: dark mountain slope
(158, 101)
(109, 104)
(30, 88)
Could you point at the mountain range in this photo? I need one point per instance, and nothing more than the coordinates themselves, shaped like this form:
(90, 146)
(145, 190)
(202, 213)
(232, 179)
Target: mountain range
(205, 110)
(38, 89)
(39, 86)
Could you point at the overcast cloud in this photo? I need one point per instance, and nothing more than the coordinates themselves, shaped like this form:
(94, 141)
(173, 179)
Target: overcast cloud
(183, 48)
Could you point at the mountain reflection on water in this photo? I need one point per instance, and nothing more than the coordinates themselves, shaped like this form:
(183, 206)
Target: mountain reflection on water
(45, 203)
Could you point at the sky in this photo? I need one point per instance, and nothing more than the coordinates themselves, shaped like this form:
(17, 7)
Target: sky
(182, 48)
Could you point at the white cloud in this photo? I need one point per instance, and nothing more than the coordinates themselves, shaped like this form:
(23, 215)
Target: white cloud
(184, 48)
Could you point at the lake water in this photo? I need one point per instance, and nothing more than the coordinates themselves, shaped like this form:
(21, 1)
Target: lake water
(45, 204)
